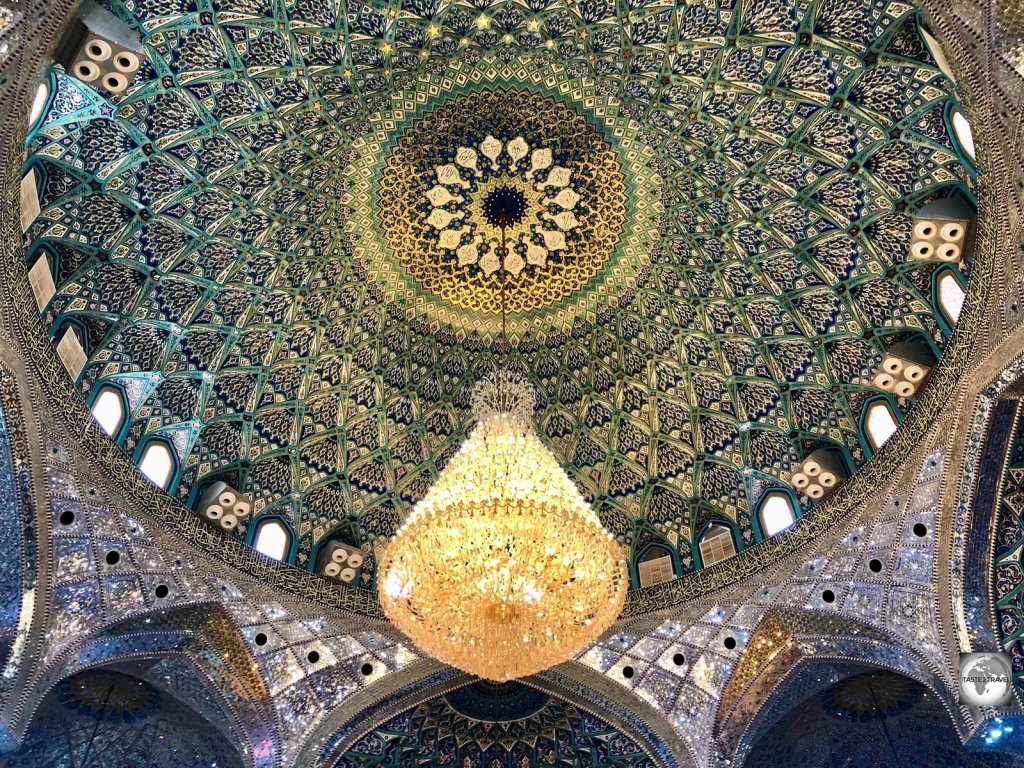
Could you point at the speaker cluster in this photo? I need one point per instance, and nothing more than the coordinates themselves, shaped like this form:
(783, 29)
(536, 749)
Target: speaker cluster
(941, 230)
(223, 506)
(341, 562)
(903, 369)
(100, 50)
(819, 474)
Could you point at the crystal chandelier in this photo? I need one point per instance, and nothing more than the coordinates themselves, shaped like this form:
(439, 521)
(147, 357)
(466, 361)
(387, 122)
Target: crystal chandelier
(503, 569)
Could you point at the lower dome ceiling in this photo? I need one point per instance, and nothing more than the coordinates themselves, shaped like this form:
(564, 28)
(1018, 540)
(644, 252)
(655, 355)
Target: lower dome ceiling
(276, 244)
(499, 726)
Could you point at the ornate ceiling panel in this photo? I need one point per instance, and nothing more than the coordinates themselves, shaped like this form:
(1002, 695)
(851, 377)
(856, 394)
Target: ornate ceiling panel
(1007, 578)
(276, 244)
(109, 720)
(872, 718)
(486, 725)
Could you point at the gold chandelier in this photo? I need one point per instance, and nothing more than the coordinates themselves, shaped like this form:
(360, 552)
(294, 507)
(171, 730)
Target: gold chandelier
(503, 569)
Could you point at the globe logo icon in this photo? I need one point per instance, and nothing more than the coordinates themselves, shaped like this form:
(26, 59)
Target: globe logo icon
(985, 679)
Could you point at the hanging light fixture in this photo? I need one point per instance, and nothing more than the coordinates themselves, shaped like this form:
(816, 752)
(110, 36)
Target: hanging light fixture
(503, 569)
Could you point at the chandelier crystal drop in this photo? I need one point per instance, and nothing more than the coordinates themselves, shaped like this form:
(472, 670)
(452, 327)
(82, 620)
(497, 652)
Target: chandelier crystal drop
(503, 569)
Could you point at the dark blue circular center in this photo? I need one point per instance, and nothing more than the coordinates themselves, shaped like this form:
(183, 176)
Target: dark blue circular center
(504, 207)
(497, 702)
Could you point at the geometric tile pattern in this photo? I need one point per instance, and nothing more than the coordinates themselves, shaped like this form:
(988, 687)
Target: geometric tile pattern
(493, 734)
(109, 720)
(683, 665)
(263, 668)
(202, 242)
(872, 718)
(1007, 582)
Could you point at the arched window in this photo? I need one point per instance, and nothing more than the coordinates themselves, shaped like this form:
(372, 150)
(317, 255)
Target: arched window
(30, 209)
(716, 545)
(157, 463)
(38, 104)
(272, 539)
(951, 296)
(71, 352)
(108, 410)
(880, 423)
(40, 277)
(938, 55)
(776, 513)
(964, 134)
(654, 567)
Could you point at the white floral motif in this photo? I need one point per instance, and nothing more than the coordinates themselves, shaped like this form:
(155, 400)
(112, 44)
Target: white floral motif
(534, 173)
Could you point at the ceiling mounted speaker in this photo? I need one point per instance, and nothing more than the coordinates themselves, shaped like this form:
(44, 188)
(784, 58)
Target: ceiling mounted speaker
(892, 365)
(884, 381)
(904, 368)
(941, 230)
(341, 562)
(924, 230)
(127, 62)
(86, 71)
(100, 50)
(819, 474)
(952, 231)
(827, 479)
(223, 505)
(115, 82)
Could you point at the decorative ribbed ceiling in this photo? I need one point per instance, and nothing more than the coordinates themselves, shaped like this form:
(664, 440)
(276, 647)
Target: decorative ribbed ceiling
(506, 726)
(276, 243)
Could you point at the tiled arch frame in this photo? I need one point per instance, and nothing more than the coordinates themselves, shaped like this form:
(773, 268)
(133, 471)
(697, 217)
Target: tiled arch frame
(136, 720)
(978, 45)
(204, 718)
(817, 651)
(24, 531)
(204, 638)
(982, 516)
(40, 22)
(197, 630)
(426, 680)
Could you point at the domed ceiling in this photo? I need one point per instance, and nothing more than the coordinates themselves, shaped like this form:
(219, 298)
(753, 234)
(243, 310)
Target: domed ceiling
(510, 725)
(281, 243)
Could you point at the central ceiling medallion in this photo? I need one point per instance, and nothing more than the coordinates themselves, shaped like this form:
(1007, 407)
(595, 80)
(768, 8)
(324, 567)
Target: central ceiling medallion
(459, 167)
(505, 206)
(503, 569)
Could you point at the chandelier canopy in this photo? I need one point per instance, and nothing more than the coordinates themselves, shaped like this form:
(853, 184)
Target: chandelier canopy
(503, 569)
